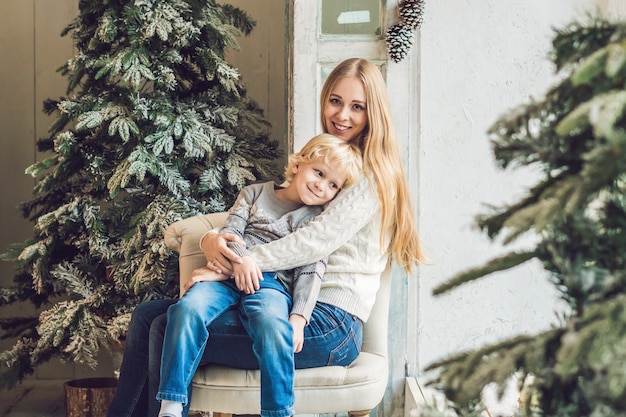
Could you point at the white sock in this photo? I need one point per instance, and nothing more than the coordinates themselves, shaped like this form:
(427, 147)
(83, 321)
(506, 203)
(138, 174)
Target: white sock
(171, 409)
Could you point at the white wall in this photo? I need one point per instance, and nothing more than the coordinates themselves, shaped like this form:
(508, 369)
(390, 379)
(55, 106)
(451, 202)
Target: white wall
(478, 59)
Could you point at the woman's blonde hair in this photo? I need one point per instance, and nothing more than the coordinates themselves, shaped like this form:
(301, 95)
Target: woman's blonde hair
(381, 159)
(336, 152)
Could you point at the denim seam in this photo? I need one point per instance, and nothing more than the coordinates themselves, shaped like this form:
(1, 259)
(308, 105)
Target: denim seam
(286, 412)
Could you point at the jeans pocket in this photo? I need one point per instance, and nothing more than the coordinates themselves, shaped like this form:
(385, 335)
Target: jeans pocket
(346, 352)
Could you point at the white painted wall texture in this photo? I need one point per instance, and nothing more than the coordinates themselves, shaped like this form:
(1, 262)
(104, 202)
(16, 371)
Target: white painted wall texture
(479, 59)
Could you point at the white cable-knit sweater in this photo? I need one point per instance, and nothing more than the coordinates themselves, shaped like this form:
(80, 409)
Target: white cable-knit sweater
(348, 232)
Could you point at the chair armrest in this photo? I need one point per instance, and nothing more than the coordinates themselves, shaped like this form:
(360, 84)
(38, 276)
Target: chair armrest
(184, 236)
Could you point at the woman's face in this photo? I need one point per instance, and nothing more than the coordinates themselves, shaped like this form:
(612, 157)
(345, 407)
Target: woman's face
(345, 113)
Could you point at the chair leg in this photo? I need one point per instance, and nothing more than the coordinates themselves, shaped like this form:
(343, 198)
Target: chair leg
(360, 413)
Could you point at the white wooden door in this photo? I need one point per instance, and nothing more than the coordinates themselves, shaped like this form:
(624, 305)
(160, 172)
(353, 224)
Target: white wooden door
(325, 32)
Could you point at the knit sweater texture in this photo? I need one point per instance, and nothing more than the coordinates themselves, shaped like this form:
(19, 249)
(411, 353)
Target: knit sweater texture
(258, 217)
(348, 233)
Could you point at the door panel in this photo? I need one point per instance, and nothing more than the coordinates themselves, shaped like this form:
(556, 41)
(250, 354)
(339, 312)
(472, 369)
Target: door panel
(325, 32)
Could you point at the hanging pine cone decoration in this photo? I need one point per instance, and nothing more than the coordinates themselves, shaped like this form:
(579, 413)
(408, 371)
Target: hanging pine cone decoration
(399, 40)
(411, 13)
(400, 36)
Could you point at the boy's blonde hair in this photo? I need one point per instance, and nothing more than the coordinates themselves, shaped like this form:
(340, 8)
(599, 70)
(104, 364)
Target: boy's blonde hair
(336, 152)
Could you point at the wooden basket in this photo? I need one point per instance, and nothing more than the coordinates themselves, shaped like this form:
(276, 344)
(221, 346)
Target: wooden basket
(89, 397)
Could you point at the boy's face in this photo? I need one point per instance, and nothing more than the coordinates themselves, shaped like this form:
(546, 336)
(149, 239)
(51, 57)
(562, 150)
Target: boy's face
(316, 183)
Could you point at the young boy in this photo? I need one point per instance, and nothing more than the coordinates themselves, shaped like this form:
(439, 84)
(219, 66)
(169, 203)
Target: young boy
(262, 213)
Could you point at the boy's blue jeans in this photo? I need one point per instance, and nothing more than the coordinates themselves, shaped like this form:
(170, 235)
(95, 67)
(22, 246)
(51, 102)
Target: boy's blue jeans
(333, 337)
(264, 314)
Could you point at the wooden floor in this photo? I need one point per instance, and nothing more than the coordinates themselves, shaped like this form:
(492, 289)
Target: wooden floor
(37, 398)
(33, 399)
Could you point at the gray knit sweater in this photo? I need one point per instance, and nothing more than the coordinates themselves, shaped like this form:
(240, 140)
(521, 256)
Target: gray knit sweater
(258, 217)
(348, 232)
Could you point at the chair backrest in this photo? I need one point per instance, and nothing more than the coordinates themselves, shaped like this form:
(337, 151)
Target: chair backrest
(184, 236)
(375, 329)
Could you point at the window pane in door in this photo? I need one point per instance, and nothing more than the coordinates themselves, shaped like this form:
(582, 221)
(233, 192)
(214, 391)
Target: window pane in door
(351, 17)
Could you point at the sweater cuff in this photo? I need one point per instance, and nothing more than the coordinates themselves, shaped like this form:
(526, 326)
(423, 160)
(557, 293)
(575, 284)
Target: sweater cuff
(304, 310)
(240, 250)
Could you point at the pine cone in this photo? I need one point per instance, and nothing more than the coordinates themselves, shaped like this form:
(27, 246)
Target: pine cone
(399, 41)
(412, 13)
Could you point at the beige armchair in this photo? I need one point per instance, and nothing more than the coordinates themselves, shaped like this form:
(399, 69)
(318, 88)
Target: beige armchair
(356, 388)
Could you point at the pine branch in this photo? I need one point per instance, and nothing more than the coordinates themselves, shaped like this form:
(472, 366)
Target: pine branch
(239, 19)
(17, 326)
(464, 375)
(502, 263)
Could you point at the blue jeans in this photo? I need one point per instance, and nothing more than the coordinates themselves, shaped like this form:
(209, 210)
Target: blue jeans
(333, 337)
(265, 316)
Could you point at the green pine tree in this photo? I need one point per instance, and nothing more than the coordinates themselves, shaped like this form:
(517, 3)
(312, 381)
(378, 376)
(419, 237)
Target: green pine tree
(576, 135)
(156, 127)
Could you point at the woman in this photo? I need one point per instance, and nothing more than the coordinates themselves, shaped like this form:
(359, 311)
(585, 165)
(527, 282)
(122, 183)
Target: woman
(359, 231)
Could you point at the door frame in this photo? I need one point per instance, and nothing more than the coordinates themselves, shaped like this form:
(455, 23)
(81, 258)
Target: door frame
(308, 53)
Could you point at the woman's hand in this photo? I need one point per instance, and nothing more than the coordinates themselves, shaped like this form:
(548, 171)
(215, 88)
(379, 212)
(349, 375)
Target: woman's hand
(219, 256)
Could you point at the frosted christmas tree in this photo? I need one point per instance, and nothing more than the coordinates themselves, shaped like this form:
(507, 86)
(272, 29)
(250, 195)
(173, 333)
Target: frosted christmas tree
(156, 127)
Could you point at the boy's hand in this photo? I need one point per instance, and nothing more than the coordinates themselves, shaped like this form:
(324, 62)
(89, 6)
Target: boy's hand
(297, 322)
(247, 275)
(203, 274)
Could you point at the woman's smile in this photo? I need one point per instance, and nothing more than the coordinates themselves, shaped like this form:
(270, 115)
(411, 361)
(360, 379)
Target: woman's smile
(345, 112)
(340, 127)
